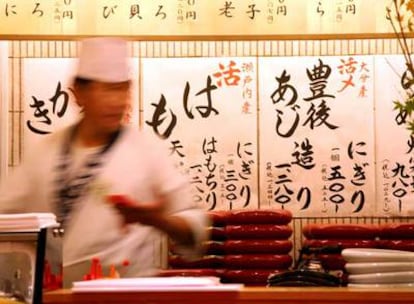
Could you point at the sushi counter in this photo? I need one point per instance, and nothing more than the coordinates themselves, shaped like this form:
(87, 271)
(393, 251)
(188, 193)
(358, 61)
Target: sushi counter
(371, 271)
(246, 295)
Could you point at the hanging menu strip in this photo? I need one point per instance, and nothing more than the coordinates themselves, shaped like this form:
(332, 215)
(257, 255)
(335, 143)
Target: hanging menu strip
(200, 18)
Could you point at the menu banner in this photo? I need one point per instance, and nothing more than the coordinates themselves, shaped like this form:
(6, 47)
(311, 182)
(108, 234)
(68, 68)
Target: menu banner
(168, 18)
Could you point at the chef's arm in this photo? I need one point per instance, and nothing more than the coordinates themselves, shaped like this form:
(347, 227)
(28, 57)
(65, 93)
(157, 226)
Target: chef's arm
(153, 214)
(177, 228)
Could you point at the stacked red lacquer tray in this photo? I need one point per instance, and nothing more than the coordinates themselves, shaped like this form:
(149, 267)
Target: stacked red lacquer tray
(246, 246)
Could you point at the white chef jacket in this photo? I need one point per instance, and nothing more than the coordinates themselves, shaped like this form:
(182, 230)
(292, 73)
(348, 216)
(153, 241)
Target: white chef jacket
(137, 165)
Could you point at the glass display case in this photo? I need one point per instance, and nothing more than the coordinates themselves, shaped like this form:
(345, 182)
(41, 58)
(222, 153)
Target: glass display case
(25, 270)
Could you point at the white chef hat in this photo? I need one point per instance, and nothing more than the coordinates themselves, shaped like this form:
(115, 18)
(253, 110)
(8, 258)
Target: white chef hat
(104, 59)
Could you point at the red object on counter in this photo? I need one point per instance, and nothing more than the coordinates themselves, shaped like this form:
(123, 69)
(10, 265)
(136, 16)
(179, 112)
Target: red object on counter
(207, 261)
(213, 247)
(258, 246)
(217, 233)
(51, 281)
(257, 261)
(402, 244)
(340, 231)
(47, 274)
(219, 217)
(258, 231)
(113, 273)
(209, 248)
(277, 217)
(397, 231)
(95, 271)
(344, 243)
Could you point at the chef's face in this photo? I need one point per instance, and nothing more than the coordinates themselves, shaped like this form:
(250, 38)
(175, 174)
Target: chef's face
(104, 104)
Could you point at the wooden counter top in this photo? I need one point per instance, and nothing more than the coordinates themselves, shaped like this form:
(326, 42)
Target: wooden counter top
(324, 295)
(248, 295)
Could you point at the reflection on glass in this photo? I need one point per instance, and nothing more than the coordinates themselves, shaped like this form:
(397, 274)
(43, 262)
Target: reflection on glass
(16, 275)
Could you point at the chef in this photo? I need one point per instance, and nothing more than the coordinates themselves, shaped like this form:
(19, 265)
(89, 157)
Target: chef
(113, 187)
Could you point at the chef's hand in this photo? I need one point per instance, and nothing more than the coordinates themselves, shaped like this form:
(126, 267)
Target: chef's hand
(147, 214)
(155, 215)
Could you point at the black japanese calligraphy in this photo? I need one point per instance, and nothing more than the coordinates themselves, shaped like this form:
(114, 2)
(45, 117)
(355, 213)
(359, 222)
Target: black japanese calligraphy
(227, 10)
(203, 176)
(158, 118)
(134, 11)
(303, 155)
(37, 11)
(107, 11)
(59, 102)
(10, 9)
(160, 13)
(204, 111)
(279, 95)
(252, 11)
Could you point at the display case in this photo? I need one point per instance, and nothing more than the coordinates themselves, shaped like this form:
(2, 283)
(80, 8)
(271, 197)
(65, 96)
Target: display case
(30, 257)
